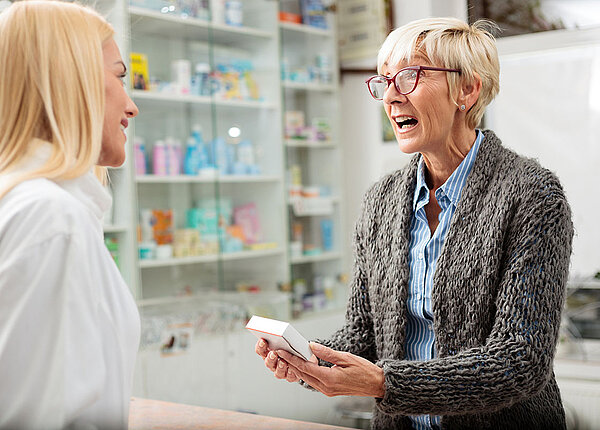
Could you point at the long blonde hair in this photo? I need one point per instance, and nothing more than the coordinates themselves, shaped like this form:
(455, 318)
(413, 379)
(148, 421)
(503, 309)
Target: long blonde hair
(51, 87)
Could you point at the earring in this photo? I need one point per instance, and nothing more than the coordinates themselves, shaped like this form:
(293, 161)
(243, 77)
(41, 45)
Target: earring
(462, 107)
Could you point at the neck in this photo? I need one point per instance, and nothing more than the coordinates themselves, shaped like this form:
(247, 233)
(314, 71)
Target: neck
(446, 158)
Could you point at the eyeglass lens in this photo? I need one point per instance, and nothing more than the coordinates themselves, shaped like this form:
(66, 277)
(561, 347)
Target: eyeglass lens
(405, 83)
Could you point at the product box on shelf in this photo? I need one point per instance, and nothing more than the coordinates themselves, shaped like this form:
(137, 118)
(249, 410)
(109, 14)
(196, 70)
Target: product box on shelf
(139, 71)
(313, 13)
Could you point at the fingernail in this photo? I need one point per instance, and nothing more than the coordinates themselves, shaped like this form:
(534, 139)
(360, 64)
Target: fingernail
(261, 343)
(272, 355)
(280, 365)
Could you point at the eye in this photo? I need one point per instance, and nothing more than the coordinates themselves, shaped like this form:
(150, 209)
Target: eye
(122, 78)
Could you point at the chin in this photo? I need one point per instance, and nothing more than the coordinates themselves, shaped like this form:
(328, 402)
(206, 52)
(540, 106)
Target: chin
(111, 160)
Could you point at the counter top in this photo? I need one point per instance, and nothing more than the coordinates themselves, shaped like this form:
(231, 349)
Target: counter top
(145, 414)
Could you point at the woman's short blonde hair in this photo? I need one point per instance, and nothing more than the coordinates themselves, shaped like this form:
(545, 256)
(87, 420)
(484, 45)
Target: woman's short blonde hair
(454, 44)
(51, 86)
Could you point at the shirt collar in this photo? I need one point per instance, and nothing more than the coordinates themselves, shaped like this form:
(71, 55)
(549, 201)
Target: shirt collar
(86, 188)
(454, 185)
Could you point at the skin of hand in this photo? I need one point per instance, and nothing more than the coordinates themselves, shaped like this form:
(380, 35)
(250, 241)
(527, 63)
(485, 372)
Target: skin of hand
(350, 375)
(280, 368)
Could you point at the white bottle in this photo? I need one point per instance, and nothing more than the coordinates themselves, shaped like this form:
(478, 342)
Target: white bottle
(217, 11)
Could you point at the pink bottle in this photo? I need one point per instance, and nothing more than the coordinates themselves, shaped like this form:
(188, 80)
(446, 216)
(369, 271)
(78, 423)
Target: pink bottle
(139, 158)
(159, 158)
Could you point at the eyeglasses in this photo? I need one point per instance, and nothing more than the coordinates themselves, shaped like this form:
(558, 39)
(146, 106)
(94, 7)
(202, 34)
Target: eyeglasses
(405, 80)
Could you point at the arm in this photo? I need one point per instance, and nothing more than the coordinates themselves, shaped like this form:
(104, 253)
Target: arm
(516, 360)
(356, 336)
(50, 352)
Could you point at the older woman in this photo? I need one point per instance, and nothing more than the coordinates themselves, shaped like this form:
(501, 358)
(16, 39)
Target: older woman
(69, 327)
(461, 257)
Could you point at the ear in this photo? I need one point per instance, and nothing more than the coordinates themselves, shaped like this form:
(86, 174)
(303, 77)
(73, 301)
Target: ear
(469, 92)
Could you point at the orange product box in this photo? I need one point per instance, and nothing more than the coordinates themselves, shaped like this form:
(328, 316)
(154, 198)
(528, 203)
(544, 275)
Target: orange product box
(290, 17)
(162, 227)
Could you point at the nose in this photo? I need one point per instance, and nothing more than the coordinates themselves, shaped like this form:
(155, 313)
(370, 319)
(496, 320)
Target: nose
(131, 110)
(392, 95)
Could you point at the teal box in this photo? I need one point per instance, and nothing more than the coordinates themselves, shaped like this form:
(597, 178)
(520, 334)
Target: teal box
(203, 220)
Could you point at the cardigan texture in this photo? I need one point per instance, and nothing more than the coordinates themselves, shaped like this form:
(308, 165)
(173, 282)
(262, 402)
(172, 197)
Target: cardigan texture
(497, 298)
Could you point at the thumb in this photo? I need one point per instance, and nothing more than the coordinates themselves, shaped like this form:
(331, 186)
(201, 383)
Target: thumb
(327, 354)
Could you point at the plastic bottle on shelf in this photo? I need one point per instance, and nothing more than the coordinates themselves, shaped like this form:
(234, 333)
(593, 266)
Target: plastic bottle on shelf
(159, 158)
(139, 150)
(173, 156)
(201, 85)
(234, 13)
(190, 161)
(217, 11)
(202, 159)
(221, 156)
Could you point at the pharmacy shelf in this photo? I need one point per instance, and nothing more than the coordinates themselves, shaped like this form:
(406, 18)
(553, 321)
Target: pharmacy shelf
(306, 29)
(324, 256)
(146, 21)
(115, 228)
(182, 179)
(163, 99)
(308, 86)
(322, 144)
(212, 258)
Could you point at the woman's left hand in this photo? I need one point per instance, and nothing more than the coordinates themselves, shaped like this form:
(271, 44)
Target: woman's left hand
(351, 375)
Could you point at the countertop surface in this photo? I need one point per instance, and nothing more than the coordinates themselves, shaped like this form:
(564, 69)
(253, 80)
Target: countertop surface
(145, 414)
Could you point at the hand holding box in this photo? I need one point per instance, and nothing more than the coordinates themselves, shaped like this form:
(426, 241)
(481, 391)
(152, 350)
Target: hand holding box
(280, 335)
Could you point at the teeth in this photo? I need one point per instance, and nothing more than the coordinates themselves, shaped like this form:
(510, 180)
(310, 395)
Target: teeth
(402, 118)
(122, 127)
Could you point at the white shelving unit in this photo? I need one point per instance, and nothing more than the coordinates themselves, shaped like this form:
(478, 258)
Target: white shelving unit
(309, 52)
(165, 38)
(204, 291)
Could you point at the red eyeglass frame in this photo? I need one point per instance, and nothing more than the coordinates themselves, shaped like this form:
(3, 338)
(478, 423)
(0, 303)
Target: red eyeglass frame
(393, 78)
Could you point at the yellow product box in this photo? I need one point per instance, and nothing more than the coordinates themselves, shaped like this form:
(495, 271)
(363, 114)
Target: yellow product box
(140, 79)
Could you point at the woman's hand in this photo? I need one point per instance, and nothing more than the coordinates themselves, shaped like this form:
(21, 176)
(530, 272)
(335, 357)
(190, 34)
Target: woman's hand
(351, 375)
(279, 367)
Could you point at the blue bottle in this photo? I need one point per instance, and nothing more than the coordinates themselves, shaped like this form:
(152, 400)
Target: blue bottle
(190, 162)
(201, 155)
(221, 156)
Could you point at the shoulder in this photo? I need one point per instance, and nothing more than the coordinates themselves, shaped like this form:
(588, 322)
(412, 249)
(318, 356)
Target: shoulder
(392, 186)
(526, 180)
(37, 210)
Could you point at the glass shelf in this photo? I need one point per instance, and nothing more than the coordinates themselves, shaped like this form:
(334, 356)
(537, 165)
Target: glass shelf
(324, 256)
(178, 179)
(212, 258)
(322, 144)
(147, 21)
(305, 29)
(161, 99)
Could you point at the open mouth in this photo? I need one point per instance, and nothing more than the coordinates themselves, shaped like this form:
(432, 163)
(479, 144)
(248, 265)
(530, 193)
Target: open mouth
(406, 122)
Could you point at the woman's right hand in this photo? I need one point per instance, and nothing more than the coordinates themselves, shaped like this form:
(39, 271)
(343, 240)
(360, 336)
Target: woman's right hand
(278, 366)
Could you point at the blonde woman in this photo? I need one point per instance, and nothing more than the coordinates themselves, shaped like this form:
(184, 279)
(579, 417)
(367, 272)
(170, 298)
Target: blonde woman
(462, 256)
(69, 327)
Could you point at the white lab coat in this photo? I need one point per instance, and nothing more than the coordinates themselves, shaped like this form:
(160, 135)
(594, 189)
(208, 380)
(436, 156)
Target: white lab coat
(69, 327)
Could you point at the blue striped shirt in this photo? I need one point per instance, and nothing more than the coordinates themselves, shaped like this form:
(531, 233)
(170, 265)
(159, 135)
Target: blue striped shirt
(424, 250)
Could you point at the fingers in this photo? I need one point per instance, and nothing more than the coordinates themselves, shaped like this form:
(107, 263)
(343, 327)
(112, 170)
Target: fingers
(328, 354)
(271, 361)
(261, 348)
(291, 376)
(281, 369)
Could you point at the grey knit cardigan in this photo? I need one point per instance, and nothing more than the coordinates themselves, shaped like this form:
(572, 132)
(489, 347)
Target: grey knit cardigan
(497, 298)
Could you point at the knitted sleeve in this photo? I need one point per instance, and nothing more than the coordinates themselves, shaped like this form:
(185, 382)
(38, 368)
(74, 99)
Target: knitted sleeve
(356, 336)
(516, 360)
